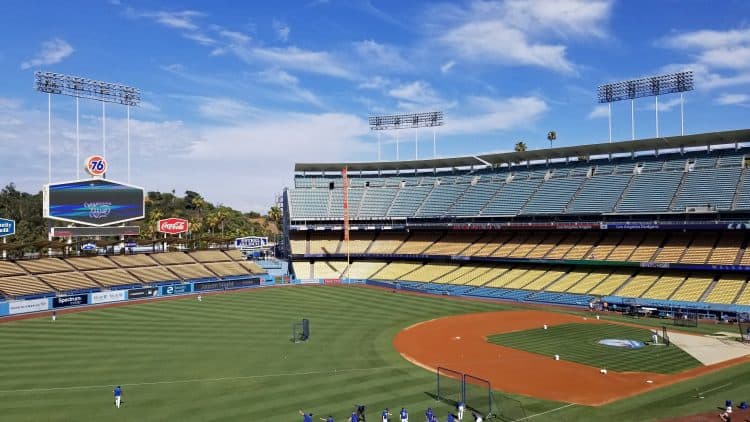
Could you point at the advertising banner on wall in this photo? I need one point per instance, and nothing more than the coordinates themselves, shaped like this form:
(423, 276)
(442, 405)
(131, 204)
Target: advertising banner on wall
(176, 289)
(107, 297)
(226, 284)
(24, 306)
(250, 242)
(142, 293)
(73, 300)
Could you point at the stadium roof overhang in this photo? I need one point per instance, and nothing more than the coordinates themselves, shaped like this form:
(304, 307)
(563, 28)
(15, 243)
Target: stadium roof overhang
(496, 159)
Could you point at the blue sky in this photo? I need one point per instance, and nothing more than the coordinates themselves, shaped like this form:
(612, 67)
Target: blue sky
(235, 93)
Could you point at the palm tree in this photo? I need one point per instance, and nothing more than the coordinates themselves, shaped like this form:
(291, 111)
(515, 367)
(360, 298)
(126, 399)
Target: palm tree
(520, 146)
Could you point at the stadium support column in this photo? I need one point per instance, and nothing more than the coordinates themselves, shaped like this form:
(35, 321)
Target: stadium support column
(396, 144)
(128, 108)
(345, 177)
(632, 119)
(657, 115)
(49, 138)
(416, 143)
(104, 130)
(682, 114)
(609, 116)
(78, 144)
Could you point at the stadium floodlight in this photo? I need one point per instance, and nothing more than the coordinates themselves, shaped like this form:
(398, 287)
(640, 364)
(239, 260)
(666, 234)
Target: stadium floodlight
(652, 86)
(414, 121)
(80, 87)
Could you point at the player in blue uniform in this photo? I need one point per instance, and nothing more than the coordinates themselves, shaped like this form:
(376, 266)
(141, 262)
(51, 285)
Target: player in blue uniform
(118, 395)
(328, 419)
(404, 415)
(353, 418)
(450, 418)
(460, 407)
(384, 415)
(429, 415)
(306, 417)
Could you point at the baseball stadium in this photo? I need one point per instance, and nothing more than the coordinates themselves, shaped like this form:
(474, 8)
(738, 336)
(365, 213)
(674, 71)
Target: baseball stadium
(572, 283)
(564, 280)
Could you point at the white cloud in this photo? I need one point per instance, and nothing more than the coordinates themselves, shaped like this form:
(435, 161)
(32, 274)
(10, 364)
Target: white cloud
(282, 30)
(483, 115)
(319, 62)
(223, 108)
(378, 55)
(446, 67)
(720, 58)
(664, 105)
(598, 112)
(732, 99)
(200, 38)
(518, 32)
(416, 93)
(375, 82)
(178, 20)
(53, 51)
(508, 45)
(264, 170)
(234, 36)
(290, 83)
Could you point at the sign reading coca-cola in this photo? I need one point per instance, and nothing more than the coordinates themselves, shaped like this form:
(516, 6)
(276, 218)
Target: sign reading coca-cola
(172, 225)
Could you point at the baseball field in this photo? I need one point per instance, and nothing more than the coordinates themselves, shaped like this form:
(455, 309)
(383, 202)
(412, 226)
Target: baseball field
(230, 358)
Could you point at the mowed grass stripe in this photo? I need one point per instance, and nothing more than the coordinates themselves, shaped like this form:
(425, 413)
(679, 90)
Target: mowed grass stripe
(229, 335)
(579, 343)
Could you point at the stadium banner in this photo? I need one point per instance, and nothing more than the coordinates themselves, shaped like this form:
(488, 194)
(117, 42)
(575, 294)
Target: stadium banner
(73, 300)
(95, 231)
(331, 281)
(309, 281)
(25, 306)
(173, 225)
(177, 289)
(250, 242)
(107, 297)
(226, 284)
(7, 227)
(142, 293)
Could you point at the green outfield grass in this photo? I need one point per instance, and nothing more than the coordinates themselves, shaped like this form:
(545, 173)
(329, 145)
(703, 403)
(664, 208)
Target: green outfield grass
(230, 358)
(579, 343)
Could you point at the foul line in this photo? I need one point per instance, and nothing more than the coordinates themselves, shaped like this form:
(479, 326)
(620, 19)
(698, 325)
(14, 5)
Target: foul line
(247, 377)
(714, 389)
(544, 413)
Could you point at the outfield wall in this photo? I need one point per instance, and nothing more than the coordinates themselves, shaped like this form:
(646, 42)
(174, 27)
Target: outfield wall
(20, 307)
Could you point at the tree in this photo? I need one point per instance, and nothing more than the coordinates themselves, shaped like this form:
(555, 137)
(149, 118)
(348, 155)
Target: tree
(520, 146)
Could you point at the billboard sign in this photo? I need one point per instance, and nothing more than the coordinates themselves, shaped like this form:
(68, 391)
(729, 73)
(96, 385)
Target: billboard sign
(250, 242)
(177, 289)
(95, 202)
(88, 247)
(172, 226)
(107, 297)
(96, 165)
(24, 306)
(142, 293)
(74, 300)
(7, 227)
(95, 231)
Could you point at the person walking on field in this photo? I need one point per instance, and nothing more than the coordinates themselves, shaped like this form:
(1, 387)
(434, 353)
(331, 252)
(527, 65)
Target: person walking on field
(118, 395)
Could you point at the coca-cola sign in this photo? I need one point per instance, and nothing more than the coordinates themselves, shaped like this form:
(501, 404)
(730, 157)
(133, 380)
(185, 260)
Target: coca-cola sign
(172, 225)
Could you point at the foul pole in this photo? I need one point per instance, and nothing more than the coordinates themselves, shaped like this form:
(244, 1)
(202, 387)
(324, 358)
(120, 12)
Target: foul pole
(346, 218)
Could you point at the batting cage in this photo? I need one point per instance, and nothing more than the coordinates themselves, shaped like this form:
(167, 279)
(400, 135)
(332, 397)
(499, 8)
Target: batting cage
(450, 386)
(743, 323)
(478, 395)
(685, 317)
(301, 330)
(507, 408)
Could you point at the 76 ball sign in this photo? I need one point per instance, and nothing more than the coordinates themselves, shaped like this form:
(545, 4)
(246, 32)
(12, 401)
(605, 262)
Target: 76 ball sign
(96, 165)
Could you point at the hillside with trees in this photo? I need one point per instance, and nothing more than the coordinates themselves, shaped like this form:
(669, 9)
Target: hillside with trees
(208, 222)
